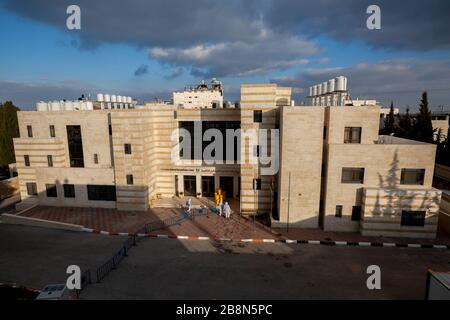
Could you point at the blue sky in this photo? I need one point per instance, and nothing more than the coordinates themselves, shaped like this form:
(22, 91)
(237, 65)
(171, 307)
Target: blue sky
(42, 60)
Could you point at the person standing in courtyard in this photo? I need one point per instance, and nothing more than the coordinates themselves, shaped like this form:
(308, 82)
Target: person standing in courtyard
(227, 210)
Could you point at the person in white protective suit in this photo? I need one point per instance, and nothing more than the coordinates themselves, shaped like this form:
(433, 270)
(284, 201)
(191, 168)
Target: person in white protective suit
(227, 210)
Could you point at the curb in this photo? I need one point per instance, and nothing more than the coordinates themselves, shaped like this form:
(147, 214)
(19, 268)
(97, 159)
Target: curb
(16, 286)
(287, 241)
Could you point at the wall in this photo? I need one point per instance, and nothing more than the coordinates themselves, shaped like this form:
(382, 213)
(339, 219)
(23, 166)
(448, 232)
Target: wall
(301, 158)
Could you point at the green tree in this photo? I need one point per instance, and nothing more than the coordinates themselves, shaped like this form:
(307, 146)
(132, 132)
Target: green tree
(9, 129)
(423, 129)
(389, 122)
(405, 125)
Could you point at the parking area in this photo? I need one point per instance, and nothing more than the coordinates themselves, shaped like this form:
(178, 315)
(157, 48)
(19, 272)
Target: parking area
(180, 269)
(33, 257)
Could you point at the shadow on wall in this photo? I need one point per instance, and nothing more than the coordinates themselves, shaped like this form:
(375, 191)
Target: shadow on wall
(396, 195)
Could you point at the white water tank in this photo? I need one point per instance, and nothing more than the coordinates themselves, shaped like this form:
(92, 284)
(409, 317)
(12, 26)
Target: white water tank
(314, 90)
(107, 98)
(325, 87)
(341, 83)
(100, 97)
(129, 100)
(319, 89)
(89, 105)
(68, 105)
(41, 106)
(331, 85)
(113, 98)
(55, 106)
(76, 105)
(119, 98)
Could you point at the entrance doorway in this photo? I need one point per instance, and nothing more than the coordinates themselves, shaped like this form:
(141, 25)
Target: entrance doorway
(190, 186)
(226, 184)
(208, 186)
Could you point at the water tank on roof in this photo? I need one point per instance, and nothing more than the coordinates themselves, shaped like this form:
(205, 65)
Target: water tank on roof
(310, 91)
(107, 98)
(113, 98)
(319, 89)
(55, 106)
(331, 85)
(76, 105)
(41, 106)
(325, 87)
(129, 100)
(341, 83)
(314, 90)
(119, 98)
(100, 97)
(89, 105)
(68, 105)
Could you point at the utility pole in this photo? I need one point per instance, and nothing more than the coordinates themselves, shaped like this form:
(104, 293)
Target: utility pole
(289, 202)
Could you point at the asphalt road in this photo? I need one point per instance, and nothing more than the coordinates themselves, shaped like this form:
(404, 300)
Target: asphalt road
(34, 257)
(183, 269)
(186, 269)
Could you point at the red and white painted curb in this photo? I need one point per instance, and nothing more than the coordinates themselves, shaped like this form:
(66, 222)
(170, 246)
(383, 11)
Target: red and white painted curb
(288, 241)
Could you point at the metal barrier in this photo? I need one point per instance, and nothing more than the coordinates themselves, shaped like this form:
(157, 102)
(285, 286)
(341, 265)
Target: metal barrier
(160, 224)
(112, 263)
(85, 280)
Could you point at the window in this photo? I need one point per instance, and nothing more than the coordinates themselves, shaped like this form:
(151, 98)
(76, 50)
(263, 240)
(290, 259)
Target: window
(26, 158)
(324, 132)
(52, 131)
(256, 184)
(412, 176)
(103, 193)
(129, 179)
(50, 160)
(352, 175)
(413, 218)
(110, 129)
(338, 213)
(352, 135)
(30, 131)
(127, 147)
(356, 213)
(69, 190)
(31, 189)
(51, 190)
(257, 115)
(95, 158)
(75, 146)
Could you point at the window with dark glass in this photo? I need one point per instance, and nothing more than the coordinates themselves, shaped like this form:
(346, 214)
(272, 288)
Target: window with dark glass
(51, 190)
(52, 131)
(256, 184)
(75, 146)
(26, 158)
(95, 158)
(30, 131)
(110, 129)
(352, 135)
(31, 189)
(413, 218)
(50, 160)
(412, 176)
(101, 192)
(256, 151)
(127, 148)
(324, 132)
(69, 190)
(129, 179)
(257, 115)
(352, 175)
(338, 213)
(356, 213)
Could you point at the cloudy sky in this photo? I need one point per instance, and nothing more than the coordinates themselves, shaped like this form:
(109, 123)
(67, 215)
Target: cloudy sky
(148, 48)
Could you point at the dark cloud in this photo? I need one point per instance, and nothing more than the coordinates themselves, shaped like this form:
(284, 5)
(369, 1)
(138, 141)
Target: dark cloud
(142, 70)
(400, 80)
(405, 25)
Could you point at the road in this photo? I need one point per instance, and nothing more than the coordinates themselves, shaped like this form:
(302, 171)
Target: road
(34, 257)
(183, 269)
(195, 269)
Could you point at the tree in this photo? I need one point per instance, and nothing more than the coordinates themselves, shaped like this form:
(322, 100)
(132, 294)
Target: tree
(9, 129)
(389, 122)
(423, 129)
(405, 125)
